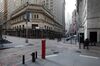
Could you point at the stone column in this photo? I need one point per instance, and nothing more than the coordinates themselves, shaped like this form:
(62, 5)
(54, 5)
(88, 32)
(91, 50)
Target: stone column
(0, 32)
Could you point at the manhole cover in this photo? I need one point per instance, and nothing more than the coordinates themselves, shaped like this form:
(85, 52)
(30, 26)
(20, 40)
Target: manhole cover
(78, 51)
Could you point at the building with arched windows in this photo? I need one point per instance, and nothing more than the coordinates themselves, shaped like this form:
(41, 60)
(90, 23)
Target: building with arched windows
(42, 19)
(41, 22)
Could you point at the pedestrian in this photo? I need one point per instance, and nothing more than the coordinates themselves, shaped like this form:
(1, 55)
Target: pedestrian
(86, 43)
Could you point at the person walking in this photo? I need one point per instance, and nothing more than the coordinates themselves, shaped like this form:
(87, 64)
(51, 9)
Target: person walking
(86, 43)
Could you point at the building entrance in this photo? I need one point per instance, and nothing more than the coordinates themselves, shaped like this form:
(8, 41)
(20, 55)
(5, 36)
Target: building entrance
(93, 36)
(81, 37)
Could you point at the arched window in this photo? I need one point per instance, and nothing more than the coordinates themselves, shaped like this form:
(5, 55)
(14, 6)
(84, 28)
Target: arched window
(23, 26)
(20, 27)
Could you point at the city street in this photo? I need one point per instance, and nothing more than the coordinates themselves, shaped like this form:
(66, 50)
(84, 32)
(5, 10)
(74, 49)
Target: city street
(18, 47)
(49, 32)
(57, 53)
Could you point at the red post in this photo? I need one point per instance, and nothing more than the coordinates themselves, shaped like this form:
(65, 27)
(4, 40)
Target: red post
(43, 48)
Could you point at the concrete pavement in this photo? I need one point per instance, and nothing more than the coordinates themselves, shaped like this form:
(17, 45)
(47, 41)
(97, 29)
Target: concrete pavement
(68, 54)
(68, 57)
(18, 47)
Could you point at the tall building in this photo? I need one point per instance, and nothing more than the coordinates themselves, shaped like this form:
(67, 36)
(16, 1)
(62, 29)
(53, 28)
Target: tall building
(41, 20)
(1, 18)
(89, 18)
(74, 23)
(57, 7)
(49, 4)
(1, 22)
(14, 4)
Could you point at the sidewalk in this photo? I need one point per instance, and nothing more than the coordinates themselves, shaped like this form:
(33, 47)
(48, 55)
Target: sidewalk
(67, 58)
(13, 55)
(93, 50)
(68, 54)
(70, 57)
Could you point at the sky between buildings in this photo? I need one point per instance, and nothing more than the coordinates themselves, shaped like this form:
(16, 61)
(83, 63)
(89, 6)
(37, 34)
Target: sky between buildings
(69, 7)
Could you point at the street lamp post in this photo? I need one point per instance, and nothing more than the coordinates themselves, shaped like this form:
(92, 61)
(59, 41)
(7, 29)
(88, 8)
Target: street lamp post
(26, 32)
(27, 19)
(36, 30)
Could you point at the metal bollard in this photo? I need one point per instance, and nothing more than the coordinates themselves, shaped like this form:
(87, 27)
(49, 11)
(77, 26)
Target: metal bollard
(36, 54)
(43, 49)
(23, 59)
(33, 57)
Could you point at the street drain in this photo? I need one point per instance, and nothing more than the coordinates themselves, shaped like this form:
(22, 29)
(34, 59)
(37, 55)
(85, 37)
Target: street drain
(55, 52)
(78, 51)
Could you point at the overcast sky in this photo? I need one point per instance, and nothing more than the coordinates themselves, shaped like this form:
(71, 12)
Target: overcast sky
(70, 6)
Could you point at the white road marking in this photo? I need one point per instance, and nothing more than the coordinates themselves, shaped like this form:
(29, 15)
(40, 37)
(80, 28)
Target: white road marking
(89, 56)
(52, 55)
(20, 46)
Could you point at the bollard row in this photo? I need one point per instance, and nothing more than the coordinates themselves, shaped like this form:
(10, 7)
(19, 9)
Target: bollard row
(34, 57)
(34, 54)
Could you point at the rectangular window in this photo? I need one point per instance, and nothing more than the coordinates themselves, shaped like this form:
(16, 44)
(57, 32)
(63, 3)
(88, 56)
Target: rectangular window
(36, 16)
(47, 4)
(47, 0)
(51, 2)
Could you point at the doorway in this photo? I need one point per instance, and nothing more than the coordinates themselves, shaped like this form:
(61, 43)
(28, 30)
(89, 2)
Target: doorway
(81, 37)
(93, 36)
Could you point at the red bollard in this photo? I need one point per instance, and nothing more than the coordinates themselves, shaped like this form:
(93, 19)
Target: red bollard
(43, 48)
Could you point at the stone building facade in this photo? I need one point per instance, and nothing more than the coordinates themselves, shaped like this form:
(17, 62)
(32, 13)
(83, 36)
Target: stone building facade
(89, 17)
(57, 7)
(41, 16)
(74, 22)
(41, 22)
